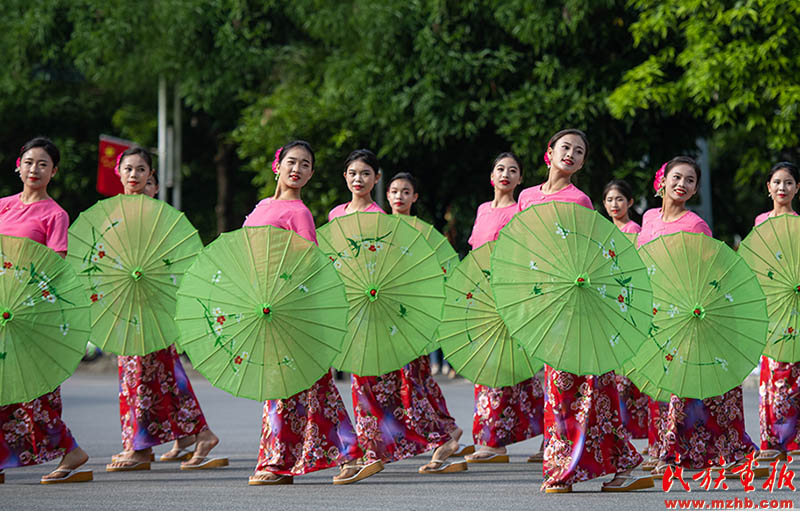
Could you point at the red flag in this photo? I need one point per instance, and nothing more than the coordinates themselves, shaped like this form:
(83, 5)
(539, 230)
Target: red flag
(108, 182)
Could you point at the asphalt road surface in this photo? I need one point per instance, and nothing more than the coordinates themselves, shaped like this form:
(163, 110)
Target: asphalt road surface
(91, 411)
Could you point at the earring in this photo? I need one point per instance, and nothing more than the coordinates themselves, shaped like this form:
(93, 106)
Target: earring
(276, 176)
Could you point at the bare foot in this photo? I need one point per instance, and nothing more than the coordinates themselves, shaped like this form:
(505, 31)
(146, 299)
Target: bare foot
(72, 460)
(267, 477)
(486, 452)
(206, 441)
(620, 478)
(444, 451)
(132, 458)
(179, 445)
(126, 455)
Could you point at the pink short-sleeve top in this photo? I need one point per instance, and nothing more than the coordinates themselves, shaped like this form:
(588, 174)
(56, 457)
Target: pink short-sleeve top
(571, 193)
(42, 221)
(291, 215)
(631, 227)
(341, 210)
(488, 223)
(763, 217)
(653, 226)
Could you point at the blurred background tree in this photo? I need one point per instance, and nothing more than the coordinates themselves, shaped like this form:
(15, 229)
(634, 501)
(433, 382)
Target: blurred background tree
(435, 87)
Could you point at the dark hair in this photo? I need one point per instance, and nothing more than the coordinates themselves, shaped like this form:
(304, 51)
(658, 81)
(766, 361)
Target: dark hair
(46, 144)
(141, 151)
(404, 175)
(683, 160)
(570, 131)
(366, 156)
(507, 154)
(154, 175)
(622, 186)
(788, 166)
(297, 143)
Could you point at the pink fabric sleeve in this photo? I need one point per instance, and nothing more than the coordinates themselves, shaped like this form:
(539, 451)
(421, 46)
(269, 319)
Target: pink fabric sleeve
(523, 201)
(56, 229)
(303, 224)
(585, 201)
(701, 226)
(631, 227)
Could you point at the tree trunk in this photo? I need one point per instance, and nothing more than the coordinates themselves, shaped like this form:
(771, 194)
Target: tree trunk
(222, 161)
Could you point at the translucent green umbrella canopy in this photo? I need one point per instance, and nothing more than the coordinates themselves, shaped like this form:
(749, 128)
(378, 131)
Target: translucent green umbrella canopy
(771, 250)
(262, 313)
(709, 317)
(44, 320)
(473, 336)
(571, 288)
(130, 252)
(395, 287)
(445, 254)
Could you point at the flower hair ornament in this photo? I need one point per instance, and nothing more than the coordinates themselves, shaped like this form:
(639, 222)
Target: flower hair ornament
(547, 158)
(116, 165)
(658, 182)
(19, 160)
(276, 162)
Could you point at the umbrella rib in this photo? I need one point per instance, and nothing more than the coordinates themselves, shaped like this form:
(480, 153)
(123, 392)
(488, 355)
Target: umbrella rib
(278, 283)
(361, 307)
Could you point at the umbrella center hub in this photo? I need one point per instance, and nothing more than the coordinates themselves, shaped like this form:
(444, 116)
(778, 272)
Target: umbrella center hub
(797, 289)
(582, 280)
(136, 274)
(373, 294)
(6, 316)
(699, 312)
(266, 311)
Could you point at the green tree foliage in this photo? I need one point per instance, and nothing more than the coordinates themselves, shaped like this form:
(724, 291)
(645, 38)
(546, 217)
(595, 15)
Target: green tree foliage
(435, 87)
(438, 88)
(733, 67)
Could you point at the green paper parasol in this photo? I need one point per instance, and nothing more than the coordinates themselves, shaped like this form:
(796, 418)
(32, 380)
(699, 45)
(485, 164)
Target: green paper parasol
(709, 317)
(643, 384)
(571, 288)
(44, 320)
(130, 252)
(395, 287)
(772, 252)
(445, 254)
(472, 335)
(633, 237)
(262, 313)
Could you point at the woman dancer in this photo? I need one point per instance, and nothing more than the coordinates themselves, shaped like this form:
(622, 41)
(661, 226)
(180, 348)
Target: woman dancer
(698, 432)
(156, 400)
(419, 389)
(580, 446)
(385, 406)
(32, 433)
(618, 199)
(779, 388)
(503, 415)
(360, 176)
(309, 431)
